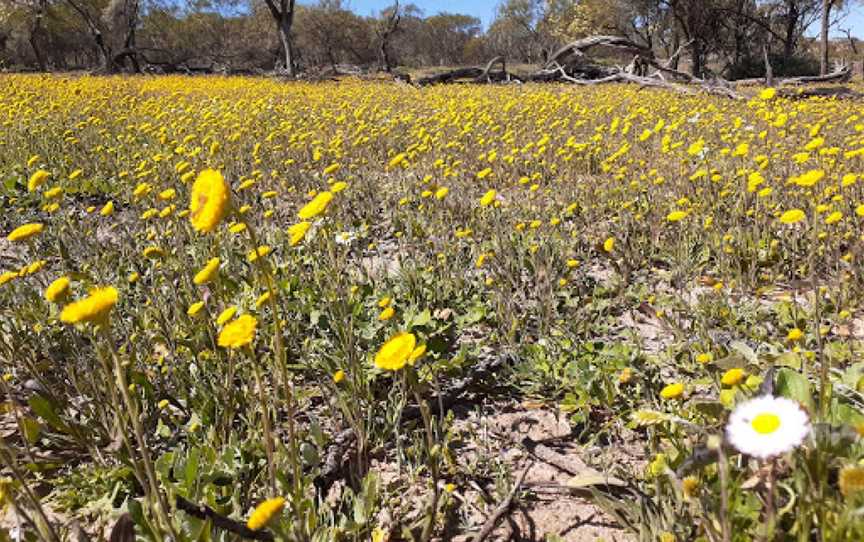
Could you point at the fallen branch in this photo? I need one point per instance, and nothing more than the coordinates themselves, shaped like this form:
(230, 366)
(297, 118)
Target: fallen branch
(671, 60)
(577, 48)
(226, 524)
(569, 64)
(503, 508)
(484, 76)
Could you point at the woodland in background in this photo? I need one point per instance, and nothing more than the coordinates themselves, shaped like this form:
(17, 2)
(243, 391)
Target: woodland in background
(726, 38)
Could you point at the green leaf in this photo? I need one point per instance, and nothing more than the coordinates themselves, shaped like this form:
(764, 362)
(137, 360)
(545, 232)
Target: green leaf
(788, 359)
(644, 418)
(31, 429)
(731, 361)
(422, 319)
(45, 410)
(474, 315)
(191, 471)
(845, 414)
(593, 478)
(745, 350)
(793, 385)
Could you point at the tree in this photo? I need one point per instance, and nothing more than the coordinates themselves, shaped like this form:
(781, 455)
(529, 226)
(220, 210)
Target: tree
(825, 25)
(388, 24)
(521, 25)
(823, 36)
(283, 15)
(112, 27)
(445, 36)
(329, 34)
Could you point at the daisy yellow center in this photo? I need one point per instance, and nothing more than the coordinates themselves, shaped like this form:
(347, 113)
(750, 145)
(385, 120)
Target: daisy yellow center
(766, 423)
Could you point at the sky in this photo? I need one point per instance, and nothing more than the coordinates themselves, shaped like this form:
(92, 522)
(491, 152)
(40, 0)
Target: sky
(485, 10)
(482, 9)
(855, 20)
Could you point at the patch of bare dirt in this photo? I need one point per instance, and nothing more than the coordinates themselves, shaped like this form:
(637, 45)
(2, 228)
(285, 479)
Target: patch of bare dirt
(519, 435)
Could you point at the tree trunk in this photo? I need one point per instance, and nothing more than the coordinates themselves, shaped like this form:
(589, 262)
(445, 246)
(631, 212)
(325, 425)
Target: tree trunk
(131, 25)
(769, 71)
(823, 37)
(676, 44)
(386, 65)
(105, 57)
(696, 58)
(287, 45)
(34, 44)
(789, 42)
(35, 33)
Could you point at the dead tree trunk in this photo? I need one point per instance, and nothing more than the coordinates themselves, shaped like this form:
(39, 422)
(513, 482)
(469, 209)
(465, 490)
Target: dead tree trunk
(283, 16)
(769, 71)
(390, 27)
(129, 42)
(676, 45)
(823, 37)
(36, 33)
(851, 39)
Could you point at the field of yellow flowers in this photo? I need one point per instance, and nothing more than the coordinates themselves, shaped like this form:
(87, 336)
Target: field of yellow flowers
(247, 309)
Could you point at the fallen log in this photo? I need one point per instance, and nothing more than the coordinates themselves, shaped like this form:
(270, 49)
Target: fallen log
(450, 76)
(842, 93)
(840, 75)
(475, 74)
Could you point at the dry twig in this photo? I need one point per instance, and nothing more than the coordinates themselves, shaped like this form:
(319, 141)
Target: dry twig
(503, 508)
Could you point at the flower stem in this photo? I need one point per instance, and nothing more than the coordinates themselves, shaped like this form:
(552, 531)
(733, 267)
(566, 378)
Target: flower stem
(159, 501)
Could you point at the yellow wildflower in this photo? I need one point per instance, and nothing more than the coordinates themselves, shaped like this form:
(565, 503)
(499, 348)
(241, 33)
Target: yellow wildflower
(94, 308)
(259, 252)
(210, 201)
(57, 290)
(238, 333)
(22, 233)
(208, 272)
(195, 308)
(264, 513)
(37, 179)
(226, 315)
(298, 231)
(488, 198)
(395, 353)
(609, 244)
(316, 206)
(733, 377)
(672, 391)
(792, 216)
(676, 216)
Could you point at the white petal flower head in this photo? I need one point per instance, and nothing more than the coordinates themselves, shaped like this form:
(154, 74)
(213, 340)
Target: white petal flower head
(767, 426)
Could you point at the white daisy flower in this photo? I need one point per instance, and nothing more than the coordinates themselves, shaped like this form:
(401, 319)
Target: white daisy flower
(767, 426)
(345, 237)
